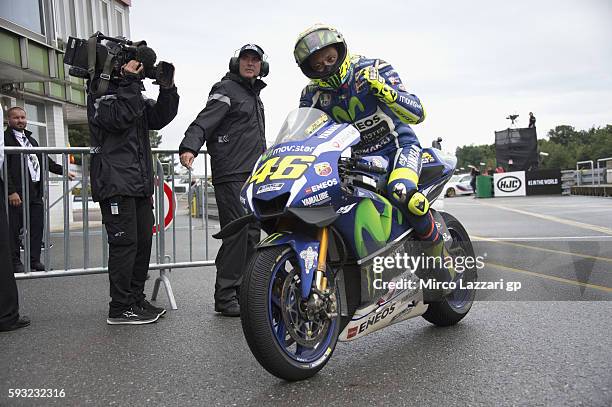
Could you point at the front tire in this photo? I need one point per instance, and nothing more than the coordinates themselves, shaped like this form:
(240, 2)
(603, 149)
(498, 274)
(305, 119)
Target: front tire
(453, 307)
(271, 279)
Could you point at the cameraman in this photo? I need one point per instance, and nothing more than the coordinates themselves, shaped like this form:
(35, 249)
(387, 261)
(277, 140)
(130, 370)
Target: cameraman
(122, 180)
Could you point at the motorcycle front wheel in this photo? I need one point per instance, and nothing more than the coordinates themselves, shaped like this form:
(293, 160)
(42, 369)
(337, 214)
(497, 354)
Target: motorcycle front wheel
(284, 341)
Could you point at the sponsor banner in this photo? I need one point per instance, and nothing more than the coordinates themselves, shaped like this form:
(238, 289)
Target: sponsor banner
(543, 182)
(509, 184)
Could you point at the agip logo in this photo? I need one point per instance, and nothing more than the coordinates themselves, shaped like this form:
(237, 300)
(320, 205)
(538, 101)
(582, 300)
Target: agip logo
(509, 183)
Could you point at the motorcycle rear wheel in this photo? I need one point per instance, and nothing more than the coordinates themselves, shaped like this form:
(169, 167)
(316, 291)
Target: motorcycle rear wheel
(270, 272)
(454, 307)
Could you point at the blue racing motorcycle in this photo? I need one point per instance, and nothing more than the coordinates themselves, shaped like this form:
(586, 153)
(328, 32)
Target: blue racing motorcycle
(322, 274)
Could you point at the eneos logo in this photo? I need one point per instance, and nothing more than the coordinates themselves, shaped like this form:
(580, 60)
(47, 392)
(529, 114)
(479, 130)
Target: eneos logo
(509, 184)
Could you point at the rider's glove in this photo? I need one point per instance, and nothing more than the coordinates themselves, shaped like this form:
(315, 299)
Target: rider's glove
(371, 76)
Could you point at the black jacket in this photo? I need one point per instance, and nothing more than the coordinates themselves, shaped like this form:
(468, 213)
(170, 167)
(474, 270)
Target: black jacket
(119, 124)
(232, 125)
(13, 162)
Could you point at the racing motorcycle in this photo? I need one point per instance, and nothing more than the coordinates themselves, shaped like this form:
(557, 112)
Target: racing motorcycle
(314, 280)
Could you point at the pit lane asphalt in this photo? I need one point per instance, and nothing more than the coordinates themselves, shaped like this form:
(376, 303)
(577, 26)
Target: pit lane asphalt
(520, 351)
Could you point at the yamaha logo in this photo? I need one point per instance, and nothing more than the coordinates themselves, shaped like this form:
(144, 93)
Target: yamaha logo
(509, 184)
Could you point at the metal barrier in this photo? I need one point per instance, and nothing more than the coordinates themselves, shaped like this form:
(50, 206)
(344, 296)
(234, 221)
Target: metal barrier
(605, 172)
(164, 262)
(579, 172)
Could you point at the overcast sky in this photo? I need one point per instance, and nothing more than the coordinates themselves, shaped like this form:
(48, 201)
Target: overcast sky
(470, 62)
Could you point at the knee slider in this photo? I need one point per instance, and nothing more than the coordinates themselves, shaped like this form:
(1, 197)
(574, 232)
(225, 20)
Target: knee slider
(418, 204)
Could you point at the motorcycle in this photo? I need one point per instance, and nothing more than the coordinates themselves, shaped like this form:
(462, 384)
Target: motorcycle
(316, 278)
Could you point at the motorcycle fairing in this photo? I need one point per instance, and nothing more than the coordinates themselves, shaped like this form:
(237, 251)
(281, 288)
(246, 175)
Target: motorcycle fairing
(306, 250)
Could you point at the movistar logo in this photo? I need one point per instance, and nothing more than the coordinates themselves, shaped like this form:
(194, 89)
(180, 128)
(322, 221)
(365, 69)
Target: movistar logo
(377, 225)
(342, 116)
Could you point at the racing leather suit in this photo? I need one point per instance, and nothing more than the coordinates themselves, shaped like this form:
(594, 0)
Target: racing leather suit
(383, 117)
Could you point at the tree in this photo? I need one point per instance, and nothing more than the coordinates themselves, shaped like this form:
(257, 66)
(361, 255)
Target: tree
(562, 135)
(474, 155)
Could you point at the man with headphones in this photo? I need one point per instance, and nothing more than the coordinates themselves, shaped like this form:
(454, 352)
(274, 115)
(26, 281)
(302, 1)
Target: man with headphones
(232, 125)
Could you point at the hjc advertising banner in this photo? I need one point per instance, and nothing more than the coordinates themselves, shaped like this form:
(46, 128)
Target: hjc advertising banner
(543, 182)
(509, 184)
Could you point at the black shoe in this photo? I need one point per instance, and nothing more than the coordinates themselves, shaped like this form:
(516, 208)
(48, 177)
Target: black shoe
(152, 309)
(231, 309)
(20, 323)
(37, 266)
(133, 316)
(18, 268)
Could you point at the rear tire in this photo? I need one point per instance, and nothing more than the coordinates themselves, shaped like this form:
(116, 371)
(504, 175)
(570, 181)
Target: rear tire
(453, 307)
(264, 325)
(450, 192)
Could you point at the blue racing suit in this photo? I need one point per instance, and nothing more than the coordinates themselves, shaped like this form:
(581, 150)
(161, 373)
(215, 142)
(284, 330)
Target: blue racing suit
(383, 118)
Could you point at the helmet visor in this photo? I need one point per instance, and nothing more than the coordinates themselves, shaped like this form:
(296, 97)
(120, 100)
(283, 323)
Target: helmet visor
(313, 42)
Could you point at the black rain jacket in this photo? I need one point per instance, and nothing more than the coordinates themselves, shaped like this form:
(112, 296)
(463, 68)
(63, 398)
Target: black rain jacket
(232, 125)
(119, 123)
(13, 162)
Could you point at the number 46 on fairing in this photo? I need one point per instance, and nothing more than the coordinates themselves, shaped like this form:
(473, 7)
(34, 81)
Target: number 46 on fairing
(289, 167)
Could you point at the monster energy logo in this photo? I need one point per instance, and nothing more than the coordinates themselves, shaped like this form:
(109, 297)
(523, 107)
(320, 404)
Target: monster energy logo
(342, 116)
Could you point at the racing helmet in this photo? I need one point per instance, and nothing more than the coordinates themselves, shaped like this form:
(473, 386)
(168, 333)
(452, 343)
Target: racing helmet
(314, 39)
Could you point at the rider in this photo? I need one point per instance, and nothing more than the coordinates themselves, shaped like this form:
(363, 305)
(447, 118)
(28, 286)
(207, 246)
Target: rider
(369, 94)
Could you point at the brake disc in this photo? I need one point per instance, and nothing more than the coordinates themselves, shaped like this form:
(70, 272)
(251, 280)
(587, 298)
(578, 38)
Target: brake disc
(306, 332)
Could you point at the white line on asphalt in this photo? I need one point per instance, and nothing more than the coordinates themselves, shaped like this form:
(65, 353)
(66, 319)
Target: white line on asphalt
(568, 222)
(553, 278)
(543, 249)
(553, 238)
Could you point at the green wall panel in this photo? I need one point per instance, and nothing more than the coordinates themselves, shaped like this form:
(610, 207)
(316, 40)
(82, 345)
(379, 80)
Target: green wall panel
(37, 87)
(77, 96)
(9, 48)
(57, 91)
(38, 58)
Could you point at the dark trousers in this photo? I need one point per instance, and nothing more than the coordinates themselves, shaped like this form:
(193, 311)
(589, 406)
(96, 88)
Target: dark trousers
(129, 225)
(9, 300)
(37, 219)
(235, 250)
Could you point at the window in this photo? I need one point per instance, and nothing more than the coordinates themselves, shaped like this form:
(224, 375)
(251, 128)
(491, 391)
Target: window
(37, 123)
(72, 26)
(89, 19)
(60, 19)
(25, 13)
(119, 20)
(104, 17)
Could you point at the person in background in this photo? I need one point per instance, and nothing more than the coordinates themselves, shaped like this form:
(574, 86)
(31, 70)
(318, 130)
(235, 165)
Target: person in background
(474, 173)
(532, 120)
(232, 125)
(9, 297)
(16, 135)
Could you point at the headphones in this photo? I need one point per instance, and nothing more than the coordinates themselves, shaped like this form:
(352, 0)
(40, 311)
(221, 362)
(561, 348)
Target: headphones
(234, 63)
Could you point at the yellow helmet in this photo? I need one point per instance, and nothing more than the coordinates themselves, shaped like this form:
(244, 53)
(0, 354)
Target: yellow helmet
(314, 39)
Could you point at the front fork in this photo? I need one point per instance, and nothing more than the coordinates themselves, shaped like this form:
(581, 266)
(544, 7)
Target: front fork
(320, 279)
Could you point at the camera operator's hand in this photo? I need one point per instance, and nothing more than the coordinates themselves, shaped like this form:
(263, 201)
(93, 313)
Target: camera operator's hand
(165, 75)
(187, 159)
(132, 70)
